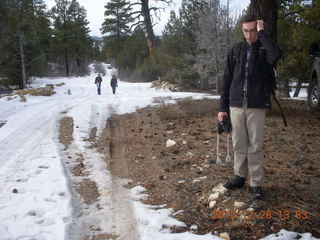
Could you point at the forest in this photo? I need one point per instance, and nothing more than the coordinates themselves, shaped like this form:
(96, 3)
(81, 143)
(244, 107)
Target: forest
(191, 52)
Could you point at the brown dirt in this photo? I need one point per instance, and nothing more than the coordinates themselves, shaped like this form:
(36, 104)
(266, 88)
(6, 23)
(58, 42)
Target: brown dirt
(134, 145)
(66, 131)
(86, 188)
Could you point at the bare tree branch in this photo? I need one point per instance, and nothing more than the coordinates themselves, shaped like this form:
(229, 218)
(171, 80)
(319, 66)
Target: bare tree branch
(133, 4)
(165, 1)
(137, 24)
(136, 13)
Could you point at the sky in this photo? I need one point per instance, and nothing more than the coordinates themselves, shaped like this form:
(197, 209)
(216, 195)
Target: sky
(95, 12)
(36, 197)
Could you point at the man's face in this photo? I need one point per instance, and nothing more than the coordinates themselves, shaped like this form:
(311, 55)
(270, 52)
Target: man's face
(249, 30)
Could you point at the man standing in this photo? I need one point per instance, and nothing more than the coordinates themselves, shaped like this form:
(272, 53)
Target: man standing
(245, 93)
(114, 83)
(98, 81)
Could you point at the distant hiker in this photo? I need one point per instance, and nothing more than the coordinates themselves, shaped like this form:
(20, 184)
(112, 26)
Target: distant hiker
(114, 84)
(245, 93)
(98, 83)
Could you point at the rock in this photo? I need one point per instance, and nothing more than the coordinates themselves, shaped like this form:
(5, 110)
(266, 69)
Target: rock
(195, 181)
(203, 177)
(50, 86)
(190, 154)
(239, 204)
(212, 204)
(220, 189)
(224, 236)
(200, 169)
(194, 227)
(60, 84)
(199, 179)
(170, 143)
(184, 142)
(181, 181)
(214, 196)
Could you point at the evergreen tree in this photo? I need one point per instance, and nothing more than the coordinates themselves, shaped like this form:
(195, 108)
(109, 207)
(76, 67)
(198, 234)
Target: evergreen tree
(61, 33)
(298, 28)
(116, 27)
(71, 40)
(80, 41)
(24, 26)
(196, 43)
(116, 23)
(179, 38)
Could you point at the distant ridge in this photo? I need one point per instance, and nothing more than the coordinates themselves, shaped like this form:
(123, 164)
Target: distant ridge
(96, 38)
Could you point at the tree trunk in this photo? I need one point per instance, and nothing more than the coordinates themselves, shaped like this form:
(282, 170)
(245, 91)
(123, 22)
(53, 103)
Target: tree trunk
(267, 10)
(66, 56)
(23, 83)
(78, 61)
(298, 87)
(148, 24)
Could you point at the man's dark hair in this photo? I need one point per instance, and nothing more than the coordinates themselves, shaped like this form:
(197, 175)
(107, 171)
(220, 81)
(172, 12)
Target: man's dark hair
(249, 18)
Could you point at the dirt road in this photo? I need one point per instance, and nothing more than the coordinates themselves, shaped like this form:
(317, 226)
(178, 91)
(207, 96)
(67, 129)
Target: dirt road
(183, 176)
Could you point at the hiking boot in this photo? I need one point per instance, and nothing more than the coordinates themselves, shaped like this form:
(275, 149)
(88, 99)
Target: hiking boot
(257, 192)
(237, 182)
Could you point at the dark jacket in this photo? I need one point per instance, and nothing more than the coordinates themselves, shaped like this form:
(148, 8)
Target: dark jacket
(98, 80)
(234, 74)
(114, 82)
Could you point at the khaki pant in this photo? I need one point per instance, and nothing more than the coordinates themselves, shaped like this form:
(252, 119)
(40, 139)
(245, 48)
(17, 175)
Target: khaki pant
(247, 138)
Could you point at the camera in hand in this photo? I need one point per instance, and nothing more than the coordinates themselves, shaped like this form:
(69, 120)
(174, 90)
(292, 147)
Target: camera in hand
(224, 125)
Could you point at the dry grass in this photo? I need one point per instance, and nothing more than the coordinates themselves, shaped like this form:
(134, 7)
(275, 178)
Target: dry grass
(45, 91)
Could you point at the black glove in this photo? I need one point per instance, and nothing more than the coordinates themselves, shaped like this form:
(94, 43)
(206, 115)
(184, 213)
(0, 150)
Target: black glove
(225, 125)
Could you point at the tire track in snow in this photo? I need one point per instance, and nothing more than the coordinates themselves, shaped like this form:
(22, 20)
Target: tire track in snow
(114, 216)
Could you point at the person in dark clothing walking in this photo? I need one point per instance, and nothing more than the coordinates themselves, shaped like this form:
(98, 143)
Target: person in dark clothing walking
(98, 81)
(114, 83)
(245, 94)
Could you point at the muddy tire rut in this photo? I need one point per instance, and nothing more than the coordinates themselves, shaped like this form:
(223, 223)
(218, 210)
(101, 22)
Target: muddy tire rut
(120, 223)
(118, 166)
(182, 177)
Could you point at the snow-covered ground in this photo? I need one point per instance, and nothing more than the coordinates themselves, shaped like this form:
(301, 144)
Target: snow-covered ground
(303, 94)
(35, 196)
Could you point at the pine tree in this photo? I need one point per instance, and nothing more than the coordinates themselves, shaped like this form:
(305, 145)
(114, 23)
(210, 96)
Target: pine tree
(61, 32)
(80, 41)
(71, 39)
(118, 18)
(116, 27)
(22, 21)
